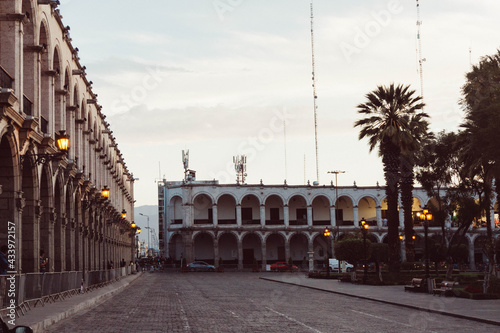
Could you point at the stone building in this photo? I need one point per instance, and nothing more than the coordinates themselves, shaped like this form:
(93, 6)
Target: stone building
(246, 225)
(49, 199)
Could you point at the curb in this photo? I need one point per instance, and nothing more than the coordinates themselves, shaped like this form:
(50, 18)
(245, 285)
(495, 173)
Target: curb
(44, 324)
(413, 307)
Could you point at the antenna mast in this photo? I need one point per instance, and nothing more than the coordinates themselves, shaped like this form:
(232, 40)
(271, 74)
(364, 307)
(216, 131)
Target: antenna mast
(240, 166)
(314, 93)
(419, 50)
(284, 133)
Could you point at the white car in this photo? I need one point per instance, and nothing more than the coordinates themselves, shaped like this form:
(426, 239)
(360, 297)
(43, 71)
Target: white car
(344, 266)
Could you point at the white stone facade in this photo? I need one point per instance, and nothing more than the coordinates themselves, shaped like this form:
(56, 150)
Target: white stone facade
(245, 224)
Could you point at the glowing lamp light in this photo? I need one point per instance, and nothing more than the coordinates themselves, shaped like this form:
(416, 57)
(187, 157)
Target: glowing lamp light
(366, 226)
(132, 225)
(62, 141)
(105, 192)
(327, 233)
(138, 230)
(124, 214)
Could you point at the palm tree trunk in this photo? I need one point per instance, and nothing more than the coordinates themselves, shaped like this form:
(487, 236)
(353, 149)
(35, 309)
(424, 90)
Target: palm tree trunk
(407, 177)
(390, 160)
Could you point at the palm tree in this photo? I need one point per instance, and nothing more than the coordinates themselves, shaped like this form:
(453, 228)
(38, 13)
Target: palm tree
(386, 124)
(418, 126)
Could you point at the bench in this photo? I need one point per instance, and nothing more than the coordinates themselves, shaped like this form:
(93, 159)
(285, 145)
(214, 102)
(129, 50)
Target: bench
(417, 285)
(444, 287)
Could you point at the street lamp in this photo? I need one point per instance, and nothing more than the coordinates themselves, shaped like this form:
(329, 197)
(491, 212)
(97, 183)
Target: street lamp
(124, 214)
(105, 192)
(149, 230)
(425, 217)
(327, 234)
(364, 230)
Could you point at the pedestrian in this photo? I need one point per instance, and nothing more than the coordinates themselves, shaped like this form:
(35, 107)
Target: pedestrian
(43, 262)
(4, 264)
(123, 263)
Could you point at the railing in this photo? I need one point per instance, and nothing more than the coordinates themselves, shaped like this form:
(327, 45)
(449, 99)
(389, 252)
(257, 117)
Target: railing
(45, 287)
(6, 80)
(27, 106)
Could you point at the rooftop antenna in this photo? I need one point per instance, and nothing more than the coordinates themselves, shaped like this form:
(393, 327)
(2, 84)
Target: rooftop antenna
(314, 94)
(240, 166)
(419, 52)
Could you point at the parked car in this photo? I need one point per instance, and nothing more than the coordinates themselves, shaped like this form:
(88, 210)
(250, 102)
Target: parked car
(200, 266)
(344, 266)
(282, 266)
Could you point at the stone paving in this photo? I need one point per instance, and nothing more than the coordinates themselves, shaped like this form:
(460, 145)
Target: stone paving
(241, 302)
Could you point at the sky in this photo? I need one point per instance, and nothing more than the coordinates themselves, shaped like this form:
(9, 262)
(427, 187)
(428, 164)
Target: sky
(229, 77)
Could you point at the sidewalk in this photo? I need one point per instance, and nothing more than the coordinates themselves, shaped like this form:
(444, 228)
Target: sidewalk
(486, 311)
(41, 317)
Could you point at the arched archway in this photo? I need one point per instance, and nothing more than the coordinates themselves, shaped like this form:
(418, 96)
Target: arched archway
(275, 248)
(252, 250)
(174, 212)
(204, 248)
(250, 210)
(297, 210)
(274, 210)
(345, 211)
(367, 209)
(228, 250)
(226, 209)
(299, 246)
(202, 205)
(321, 211)
(176, 246)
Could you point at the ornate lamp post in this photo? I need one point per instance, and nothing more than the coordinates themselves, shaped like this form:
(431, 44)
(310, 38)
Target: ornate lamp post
(425, 217)
(327, 235)
(364, 230)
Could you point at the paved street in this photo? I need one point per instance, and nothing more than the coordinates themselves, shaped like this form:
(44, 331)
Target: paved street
(241, 302)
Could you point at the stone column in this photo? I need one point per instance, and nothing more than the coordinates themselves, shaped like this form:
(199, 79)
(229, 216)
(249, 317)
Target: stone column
(309, 216)
(355, 216)
(216, 252)
(214, 216)
(492, 217)
(333, 218)
(262, 215)
(287, 249)
(238, 215)
(379, 216)
(264, 255)
(240, 254)
(286, 216)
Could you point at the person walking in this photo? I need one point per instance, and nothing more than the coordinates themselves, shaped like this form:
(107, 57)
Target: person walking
(43, 262)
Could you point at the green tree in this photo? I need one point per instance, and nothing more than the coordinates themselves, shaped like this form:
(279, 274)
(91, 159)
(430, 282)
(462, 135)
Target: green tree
(386, 125)
(481, 154)
(419, 130)
(379, 254)
(351, 250)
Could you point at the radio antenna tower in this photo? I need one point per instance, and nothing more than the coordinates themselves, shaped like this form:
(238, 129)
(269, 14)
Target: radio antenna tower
(314, 94)
(419, 52)
(240, 166)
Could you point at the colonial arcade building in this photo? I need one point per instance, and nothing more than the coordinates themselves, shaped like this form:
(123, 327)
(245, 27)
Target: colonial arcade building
(245, 225)
(51, 199)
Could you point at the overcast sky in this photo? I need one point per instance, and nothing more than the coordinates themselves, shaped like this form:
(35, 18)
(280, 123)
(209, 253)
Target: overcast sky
(220, 77)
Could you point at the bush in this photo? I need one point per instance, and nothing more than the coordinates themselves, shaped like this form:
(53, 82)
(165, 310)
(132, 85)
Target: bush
(494, 285)
(472, 289)
(411, 266)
